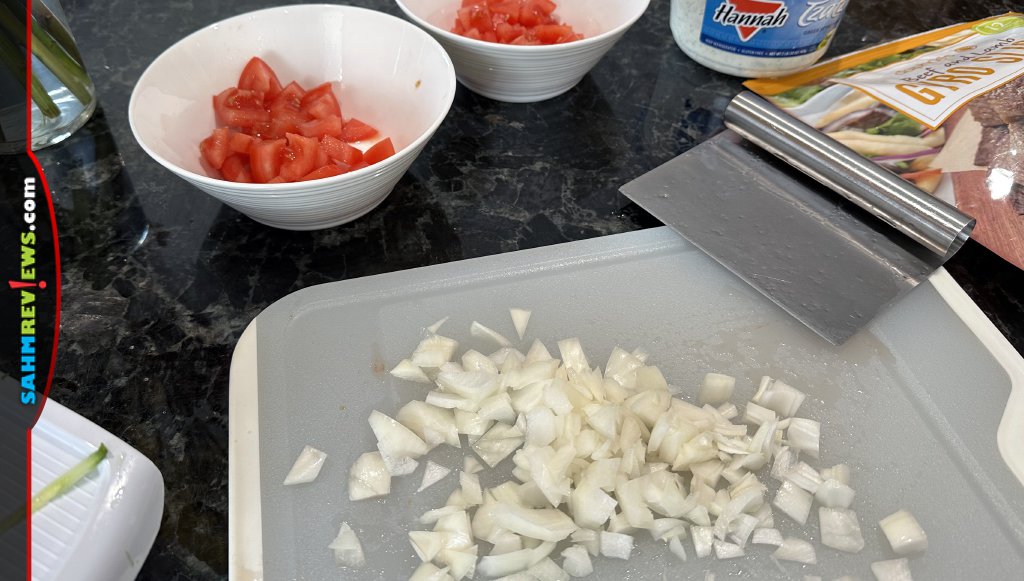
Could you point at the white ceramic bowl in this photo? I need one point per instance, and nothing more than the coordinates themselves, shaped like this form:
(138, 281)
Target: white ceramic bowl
(386, 72)
(524, 74)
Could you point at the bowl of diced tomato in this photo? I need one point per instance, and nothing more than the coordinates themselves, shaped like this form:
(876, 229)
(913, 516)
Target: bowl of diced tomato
(522, 51)
(301, 117)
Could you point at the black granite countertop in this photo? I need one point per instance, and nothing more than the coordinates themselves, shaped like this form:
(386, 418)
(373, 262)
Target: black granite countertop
(161, 279)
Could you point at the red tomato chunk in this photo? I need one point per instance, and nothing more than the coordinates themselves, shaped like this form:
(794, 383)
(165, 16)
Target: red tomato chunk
(270, 134)
(529, 22)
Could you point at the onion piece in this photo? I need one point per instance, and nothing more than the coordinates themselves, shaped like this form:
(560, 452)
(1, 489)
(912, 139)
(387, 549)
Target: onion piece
(778, 396)
(482, 332)
(804, 435)
(437, 325)
(904, 533)
(703, 537)
(576, 562)
(499, 441)
(395, 440)
(616, 545)
(434, 351)
(471, 488)
(741, 528)
(676, 547)
(520, 319)
(797, 550)
(805, 477)
(728, 411)
(399, 466)
(840, 529)
(537, 352)
(839, 472)
(547, 570)
(348, 552)
(409, 371)
(471, 465)
(591, 507)
(757, 415)
(427, 544)
(794, 501)
(716, 389)
(462, 564)
(515, 561)
(306, 467)
(433, 425)
(892, 570)
(834, 494)
(785, 460)
(588, 539)
(545, 524)
(573, 357)
(765, 536)
(430, 572)
(724, 550)
(368, 477)
(432, 516)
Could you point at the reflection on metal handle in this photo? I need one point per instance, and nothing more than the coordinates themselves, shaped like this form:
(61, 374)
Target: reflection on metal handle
(933, 223)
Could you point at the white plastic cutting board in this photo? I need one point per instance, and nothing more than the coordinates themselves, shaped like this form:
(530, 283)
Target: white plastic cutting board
(926, 404)
(103, 528)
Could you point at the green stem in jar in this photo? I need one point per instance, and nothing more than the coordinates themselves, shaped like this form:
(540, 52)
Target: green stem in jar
(43, 16)
(14, 61)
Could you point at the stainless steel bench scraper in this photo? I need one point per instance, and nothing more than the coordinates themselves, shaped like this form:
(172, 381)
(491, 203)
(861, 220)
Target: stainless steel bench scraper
(831, 256)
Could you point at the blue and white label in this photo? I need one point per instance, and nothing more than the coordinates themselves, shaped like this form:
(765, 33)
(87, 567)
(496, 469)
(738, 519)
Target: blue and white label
(770, 28)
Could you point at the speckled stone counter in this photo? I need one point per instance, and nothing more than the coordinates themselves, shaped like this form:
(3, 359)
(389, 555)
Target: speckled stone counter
(160, 279)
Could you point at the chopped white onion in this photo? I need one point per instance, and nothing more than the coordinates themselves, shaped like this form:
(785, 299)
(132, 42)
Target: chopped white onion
(471, 491)
(520, 319)
(892, 570)
(588, 539)
(741, 528)
(794, 501)
(347, 550)
(409, 371)
(797, 550)
(904, 533)
(368, 477)
(433, 425)
(471, 465)
(482, 332)
(515, 561)
(804, 435)
(547, 570)
(545, 524)
(676, 546)
(805, 477)
(399, 466)
(433, 329)
(778, 396)
(766, 537)
(430, 572)
(728, 411)
(834, 494)
(306, 467)
(785, 460)
(703, 537)
(434, 351)
(616, 545)
(840, 529)
(716, 389)
(499, 441)
(724, 550)
(395, 440)
(577, 562)
(839, 472)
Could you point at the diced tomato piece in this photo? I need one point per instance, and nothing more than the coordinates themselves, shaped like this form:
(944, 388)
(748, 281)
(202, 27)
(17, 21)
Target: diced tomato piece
(473, 33)
(544, 7)
(216, 148)
(322, 158)
(299, 156)
(265, 159)
(290, 97)
(240, 142)
(359, 165)
(340, 151)
(509, 8)
(258, 76)
(277, 180)
(323, 172)
(551, 33)
(322, 107)
(236, 169)
(240, 108)
(508, 32)
(281, 123)
(380, 151)
(319, 127)
(356, 130)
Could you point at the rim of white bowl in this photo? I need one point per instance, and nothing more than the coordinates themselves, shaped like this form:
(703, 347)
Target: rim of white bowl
(282, 188)
(526, 48)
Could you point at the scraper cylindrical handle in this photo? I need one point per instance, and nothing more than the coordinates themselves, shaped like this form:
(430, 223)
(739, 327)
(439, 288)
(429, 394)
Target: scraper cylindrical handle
(933, 223)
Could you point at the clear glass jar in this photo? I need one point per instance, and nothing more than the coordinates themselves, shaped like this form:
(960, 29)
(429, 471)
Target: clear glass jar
(755, 38)
(63, 96)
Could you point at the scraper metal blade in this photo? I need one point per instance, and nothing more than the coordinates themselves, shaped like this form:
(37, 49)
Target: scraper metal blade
(817, 255)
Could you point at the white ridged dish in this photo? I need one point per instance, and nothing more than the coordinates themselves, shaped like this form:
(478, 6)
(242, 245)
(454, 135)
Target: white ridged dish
(525, 74)
(103, 528)
(385, 71)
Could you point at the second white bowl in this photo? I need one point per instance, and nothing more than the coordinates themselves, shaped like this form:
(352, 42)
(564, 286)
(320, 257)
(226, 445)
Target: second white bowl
(524, 74)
